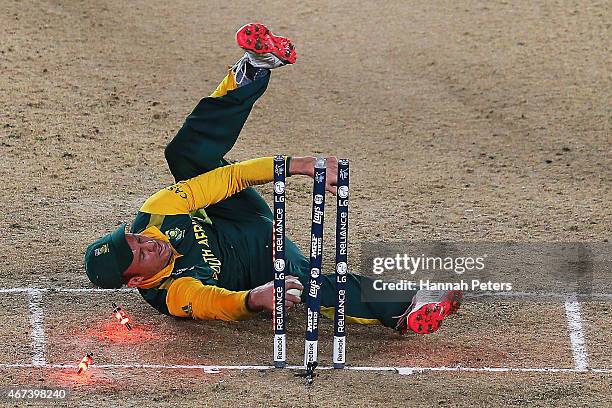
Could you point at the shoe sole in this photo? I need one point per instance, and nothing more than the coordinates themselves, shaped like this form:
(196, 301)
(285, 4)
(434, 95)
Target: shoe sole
(259, 39)
(428, 318)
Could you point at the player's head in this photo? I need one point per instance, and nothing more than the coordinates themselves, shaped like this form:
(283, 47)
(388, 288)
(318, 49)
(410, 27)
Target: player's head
(120, 257)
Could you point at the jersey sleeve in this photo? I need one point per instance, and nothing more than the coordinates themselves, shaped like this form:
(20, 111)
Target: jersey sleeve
(188, 297)
(210, 187)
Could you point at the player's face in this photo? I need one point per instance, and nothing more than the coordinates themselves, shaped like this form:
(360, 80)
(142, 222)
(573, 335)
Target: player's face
(150, 255)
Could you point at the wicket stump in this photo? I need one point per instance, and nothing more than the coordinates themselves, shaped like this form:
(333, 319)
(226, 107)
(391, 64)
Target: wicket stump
(342, 202)
(278, 259)
(313, 298)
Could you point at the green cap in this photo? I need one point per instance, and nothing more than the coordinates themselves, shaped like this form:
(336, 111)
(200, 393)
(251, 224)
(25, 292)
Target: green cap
(107, 259)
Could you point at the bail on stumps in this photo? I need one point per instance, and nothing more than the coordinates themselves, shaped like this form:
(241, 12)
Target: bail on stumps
(121, 316)
(85, 363)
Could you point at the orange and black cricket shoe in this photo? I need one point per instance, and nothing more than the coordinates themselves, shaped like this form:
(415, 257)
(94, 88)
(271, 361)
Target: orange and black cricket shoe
(428, 309)
(257, 38)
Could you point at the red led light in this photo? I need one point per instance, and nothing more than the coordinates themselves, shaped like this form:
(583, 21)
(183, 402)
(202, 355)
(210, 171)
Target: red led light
(85, 363)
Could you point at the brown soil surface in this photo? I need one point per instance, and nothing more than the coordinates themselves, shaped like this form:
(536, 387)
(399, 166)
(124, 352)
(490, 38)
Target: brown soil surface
(500, 108)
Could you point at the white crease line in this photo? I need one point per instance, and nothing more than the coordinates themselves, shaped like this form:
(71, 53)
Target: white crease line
(20, 366)
(411, 370)
(400, 370)
(540, 295)
(574, 324)
(35, 304)
(91, 290)
(73, 290)
(16, 290)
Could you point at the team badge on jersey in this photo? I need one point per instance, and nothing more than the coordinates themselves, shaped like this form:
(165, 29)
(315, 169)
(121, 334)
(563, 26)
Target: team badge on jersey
(175, 234)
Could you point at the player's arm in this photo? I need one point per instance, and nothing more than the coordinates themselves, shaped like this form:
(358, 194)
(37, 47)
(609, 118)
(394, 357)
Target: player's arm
(210, 187)
(188, 297)
(217, 185)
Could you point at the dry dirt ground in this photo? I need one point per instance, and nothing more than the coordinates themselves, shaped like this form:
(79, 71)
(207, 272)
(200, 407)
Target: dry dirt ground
(500, 108)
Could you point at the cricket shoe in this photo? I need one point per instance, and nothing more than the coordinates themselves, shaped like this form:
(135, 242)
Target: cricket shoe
(266, 49)
(245, 70)
(428, 309)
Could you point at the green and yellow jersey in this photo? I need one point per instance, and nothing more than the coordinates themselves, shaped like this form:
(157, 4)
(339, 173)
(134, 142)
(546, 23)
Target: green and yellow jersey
(208, 274)
(220, 230)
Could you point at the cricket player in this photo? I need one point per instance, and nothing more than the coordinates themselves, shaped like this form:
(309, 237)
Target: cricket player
(201, 248)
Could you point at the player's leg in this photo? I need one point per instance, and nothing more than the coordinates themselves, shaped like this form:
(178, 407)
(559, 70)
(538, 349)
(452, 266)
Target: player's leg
(212, 129)
(421, 312)
(357, 311)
